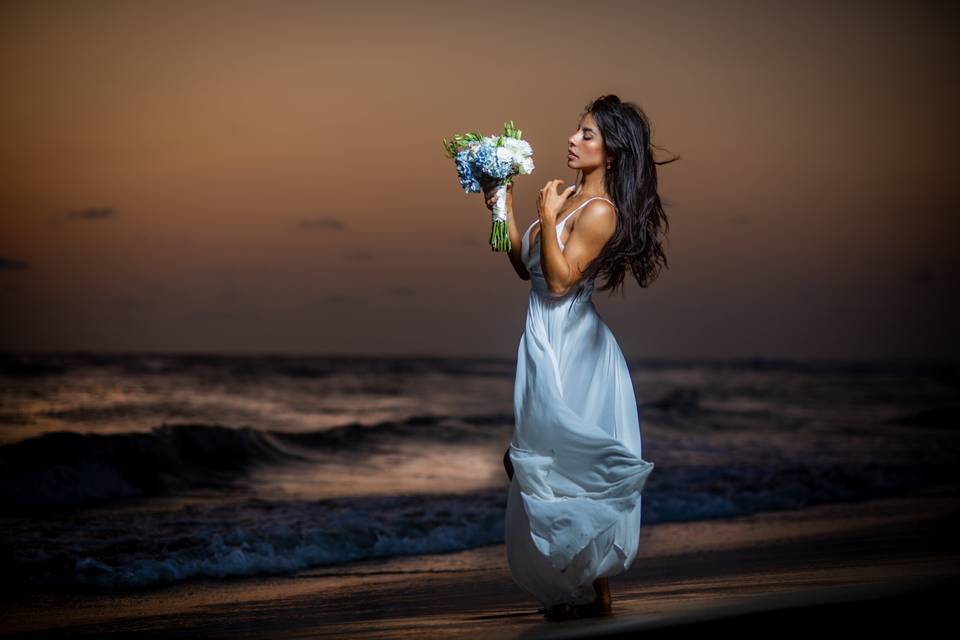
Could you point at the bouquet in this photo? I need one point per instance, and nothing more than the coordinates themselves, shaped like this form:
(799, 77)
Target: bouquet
(491, 158)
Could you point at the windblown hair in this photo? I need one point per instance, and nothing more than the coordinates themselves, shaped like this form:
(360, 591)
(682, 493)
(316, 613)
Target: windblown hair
(632, 183)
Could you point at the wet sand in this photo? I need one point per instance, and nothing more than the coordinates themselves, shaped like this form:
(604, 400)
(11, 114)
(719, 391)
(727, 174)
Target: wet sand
(878, 561)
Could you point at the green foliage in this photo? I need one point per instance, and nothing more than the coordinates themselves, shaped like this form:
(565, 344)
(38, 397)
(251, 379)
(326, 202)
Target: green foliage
(459, 141)
(451, 147)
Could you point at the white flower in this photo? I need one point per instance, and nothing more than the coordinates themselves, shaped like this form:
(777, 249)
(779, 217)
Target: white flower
(515, 152)
(519, 147)
(526, 166)
(525, 149)
(506, 154)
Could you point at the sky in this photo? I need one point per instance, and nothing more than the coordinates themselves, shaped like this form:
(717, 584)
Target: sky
(269, 177)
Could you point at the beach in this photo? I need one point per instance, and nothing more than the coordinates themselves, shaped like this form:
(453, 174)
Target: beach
(739, 574)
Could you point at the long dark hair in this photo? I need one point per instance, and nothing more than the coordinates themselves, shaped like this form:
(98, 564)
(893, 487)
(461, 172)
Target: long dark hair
(631, 181)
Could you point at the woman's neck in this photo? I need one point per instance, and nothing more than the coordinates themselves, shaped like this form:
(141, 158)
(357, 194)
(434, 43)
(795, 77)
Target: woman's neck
(593, 184)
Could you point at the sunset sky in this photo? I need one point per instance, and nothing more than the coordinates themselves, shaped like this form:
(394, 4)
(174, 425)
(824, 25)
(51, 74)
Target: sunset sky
(232, 177)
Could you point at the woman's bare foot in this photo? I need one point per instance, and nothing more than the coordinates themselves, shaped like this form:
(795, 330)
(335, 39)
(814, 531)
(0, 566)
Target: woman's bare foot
(602, 605)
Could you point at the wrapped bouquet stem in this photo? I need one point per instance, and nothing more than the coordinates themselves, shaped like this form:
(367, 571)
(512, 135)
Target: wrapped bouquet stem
(491, 158)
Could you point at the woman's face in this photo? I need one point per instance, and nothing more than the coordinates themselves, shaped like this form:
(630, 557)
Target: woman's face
(585, 146)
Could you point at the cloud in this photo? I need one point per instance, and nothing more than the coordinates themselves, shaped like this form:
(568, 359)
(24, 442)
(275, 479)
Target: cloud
(12, 263)
(93, 213)
(321, 223)
(90, 213)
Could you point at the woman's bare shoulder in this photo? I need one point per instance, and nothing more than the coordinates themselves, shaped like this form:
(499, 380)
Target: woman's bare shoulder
(597, 218)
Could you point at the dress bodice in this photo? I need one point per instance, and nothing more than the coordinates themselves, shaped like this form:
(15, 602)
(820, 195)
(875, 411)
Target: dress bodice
(531, 259)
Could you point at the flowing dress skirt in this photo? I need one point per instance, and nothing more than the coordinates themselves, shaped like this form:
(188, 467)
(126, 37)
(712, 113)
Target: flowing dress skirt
(573, 508)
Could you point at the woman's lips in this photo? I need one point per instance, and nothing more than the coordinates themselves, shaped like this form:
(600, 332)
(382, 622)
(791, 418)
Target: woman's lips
(571, 154)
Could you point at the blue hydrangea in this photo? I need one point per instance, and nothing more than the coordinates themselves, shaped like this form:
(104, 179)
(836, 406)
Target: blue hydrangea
(490, 164)
(466, 170)
(483, 162)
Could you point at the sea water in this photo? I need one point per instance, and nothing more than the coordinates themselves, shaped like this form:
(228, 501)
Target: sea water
(122, 472)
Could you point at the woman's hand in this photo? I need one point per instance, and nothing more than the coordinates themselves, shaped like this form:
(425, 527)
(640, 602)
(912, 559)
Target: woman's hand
(550, 202)
(490, 193)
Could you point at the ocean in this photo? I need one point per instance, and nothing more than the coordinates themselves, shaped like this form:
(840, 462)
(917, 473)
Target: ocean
(124, 472)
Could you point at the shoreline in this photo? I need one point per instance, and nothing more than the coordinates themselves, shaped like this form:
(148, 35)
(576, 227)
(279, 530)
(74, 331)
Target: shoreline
(700, 573)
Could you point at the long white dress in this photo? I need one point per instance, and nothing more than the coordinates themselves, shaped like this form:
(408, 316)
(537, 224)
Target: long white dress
(573, 508)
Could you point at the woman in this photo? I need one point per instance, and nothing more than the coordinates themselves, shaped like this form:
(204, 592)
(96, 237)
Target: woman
(574, 461)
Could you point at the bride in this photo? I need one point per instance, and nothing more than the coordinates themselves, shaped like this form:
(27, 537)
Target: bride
(574, 461)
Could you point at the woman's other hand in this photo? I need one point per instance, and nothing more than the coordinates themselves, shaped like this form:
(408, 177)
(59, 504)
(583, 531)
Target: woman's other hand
(550, 201)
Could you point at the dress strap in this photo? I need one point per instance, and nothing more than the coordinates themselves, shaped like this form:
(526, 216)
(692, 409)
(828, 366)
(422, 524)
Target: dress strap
(526, 233)
(585, 204)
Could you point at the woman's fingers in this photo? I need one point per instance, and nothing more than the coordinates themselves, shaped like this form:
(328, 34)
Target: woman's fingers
(551, 184)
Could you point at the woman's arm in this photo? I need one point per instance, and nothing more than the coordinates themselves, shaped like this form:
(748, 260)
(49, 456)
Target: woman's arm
(563, 267)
